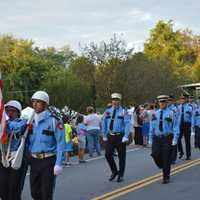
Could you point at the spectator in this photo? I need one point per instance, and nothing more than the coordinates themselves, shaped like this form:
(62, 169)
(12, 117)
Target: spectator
(137, 127)
(81, 137)
(68, 139)
(131, 111)
(93, 124)
(146, 117)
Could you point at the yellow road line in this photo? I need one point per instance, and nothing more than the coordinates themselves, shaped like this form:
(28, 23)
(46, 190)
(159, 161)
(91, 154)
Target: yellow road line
(150, 182)
(144, 182)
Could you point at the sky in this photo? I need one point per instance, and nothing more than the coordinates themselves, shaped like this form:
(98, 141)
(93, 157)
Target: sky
(77, 22)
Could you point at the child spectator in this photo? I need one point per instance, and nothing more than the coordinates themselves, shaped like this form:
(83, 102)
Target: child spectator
(68, 140)
(81, 136)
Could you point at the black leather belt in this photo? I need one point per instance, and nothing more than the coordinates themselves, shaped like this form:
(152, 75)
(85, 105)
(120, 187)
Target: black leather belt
(163, 135)
(114, 133)
(42, 155)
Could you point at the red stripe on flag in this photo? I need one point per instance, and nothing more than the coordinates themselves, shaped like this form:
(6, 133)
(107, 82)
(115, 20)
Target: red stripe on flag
(1, 109)
(3, 134)
(1, 84)
(4, 137)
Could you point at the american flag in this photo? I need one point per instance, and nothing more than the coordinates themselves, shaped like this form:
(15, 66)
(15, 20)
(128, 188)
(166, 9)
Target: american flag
(3, 134)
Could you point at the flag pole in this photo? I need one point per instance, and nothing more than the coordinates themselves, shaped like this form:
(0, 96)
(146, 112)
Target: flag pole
(4, 162)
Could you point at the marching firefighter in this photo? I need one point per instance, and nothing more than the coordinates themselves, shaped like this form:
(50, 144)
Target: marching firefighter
(196, 126)
(47, 142)
(173, 107)
(185, 117)
(116, 129)
(11, 179)
(164, 132)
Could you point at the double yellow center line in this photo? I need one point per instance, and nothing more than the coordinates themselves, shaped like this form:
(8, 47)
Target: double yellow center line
(144, 182)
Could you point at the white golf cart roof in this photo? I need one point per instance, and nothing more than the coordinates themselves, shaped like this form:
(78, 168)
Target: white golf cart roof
(190, 88)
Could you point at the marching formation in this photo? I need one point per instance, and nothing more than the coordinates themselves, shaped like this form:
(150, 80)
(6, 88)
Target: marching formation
(44, 141)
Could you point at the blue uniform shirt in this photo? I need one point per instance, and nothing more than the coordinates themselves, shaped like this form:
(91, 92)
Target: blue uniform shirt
(196, 118)
(170, 124)
(194, 105)
(188, 112)
(48, 137)
(121, 124)
(16, 128)
(81, 130)
(174, 108)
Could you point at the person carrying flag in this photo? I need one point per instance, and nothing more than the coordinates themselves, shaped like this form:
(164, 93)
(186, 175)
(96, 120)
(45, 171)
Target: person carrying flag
(10, 181)
(46, 146)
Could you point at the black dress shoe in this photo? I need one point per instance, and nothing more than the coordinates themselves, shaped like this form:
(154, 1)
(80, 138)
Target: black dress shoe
(165, 181)
(181, 155)
(173, 162)
(120, 179)
(113, 176)
(188, 158)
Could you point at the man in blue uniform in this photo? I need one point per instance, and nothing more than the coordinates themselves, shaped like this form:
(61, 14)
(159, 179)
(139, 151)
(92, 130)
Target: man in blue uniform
(194, 105)
(192, 102)
(46, 148)
(173, 107)
(196, 126)
(116, 129)
(163, 135)
(185, 117)
(11, 179)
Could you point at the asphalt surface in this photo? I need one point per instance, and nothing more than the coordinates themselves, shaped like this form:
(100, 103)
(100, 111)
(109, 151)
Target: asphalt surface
(183, 186)
(90, 180)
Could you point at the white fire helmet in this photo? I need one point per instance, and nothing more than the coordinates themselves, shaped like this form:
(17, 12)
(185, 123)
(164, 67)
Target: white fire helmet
(41, 95)
(14, 104)
(116, 96)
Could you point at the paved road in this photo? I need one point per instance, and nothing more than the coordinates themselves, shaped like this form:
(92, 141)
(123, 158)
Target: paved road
(90, 180)
(184, 186)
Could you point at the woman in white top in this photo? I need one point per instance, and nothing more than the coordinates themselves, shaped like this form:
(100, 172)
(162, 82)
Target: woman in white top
(93, 124)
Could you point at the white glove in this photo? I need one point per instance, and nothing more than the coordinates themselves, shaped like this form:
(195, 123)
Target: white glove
(192, 133)
(105, 139)
(174, 143)
(124, 139)
(57, 169)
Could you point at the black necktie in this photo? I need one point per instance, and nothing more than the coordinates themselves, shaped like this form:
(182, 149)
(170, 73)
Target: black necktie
(112, 119)
(161, 121)
(182, 114)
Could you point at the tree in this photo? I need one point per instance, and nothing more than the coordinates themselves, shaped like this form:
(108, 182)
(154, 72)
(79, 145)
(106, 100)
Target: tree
(66, 89)
(24, 66)
(84, 70)
(107, 58)
(146, 78)
(176, 46)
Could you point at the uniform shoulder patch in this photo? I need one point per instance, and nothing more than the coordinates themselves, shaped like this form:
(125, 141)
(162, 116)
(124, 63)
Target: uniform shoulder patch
(55, 116)
(59, 125)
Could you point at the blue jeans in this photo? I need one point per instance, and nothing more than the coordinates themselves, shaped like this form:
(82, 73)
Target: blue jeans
(93, 141)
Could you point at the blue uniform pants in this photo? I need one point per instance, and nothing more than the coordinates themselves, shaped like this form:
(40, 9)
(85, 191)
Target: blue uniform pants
(162, 152)
(115, 142)
(197, 137)
(42, 178)
(185, 130)
(10, 183)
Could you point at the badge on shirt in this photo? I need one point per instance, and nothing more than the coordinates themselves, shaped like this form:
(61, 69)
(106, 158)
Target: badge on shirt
(60, 126)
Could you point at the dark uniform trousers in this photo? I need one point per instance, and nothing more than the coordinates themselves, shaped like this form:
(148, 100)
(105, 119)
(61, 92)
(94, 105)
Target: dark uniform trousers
(115, 142)
(185, 130)
(10, 182)
(42, 178)
(174, 153)
(197, 137)
(138, 136)
(161, 153)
